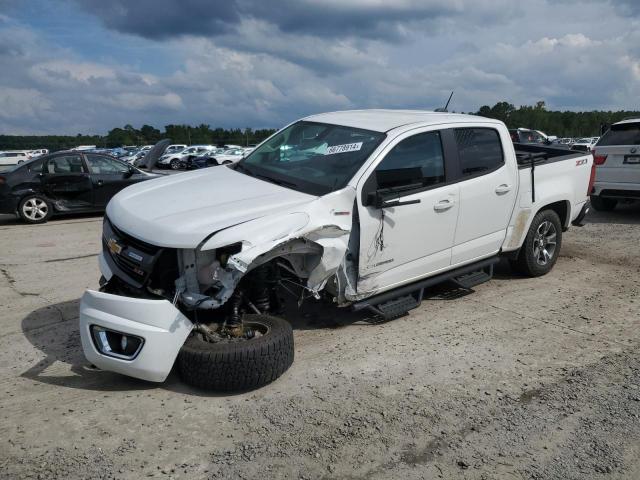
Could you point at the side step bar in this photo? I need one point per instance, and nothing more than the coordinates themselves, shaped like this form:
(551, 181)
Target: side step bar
(397, 302)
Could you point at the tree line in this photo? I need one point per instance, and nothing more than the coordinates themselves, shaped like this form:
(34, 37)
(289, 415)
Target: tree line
(559, 123)
(145, 135)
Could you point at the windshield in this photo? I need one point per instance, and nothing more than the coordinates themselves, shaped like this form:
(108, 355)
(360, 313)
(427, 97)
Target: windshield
(314, 158)
(621, 134)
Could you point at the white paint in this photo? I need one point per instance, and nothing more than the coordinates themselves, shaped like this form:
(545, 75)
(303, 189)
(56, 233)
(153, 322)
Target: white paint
(161, 325)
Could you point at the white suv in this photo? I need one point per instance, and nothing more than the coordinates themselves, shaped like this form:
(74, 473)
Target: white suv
(617, 160)
(13, 157)
(177, 160)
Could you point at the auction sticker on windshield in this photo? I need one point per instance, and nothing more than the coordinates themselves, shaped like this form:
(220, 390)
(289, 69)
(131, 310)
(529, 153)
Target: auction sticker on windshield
(348, 147)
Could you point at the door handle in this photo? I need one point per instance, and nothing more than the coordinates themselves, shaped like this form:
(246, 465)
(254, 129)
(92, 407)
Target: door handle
(100, 183)
(502, 189)
(443, 205)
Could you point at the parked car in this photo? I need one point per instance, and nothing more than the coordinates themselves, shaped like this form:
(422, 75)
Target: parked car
(617, 160)
(64, 182)
(231, 155)
(207, 159)
(133, 158)
(13, 157)
(364, 208)
(176, 161)
(37, 153)
(525, 135)
(175, 148)
(585, 144)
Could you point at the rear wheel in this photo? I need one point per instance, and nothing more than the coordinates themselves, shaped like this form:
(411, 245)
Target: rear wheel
(603, 204)
(35, 209)
(541, 247)
(238, 364)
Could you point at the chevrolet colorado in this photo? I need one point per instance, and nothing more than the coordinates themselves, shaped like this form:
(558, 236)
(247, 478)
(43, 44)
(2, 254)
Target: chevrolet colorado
(366, 208)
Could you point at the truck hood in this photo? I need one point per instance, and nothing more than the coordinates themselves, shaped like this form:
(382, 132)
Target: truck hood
(181, 211)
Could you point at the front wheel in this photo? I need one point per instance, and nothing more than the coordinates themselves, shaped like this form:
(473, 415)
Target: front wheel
(35, 209)
(175, 164)
(541, 246)
(603, 204)
(238, 364)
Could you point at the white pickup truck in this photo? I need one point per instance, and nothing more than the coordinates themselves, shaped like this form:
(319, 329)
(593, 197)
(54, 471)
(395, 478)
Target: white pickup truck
(364, 208)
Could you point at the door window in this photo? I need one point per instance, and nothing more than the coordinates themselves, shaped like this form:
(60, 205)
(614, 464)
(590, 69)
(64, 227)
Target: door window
(104, 166)
(65, 164)
(35, 167)
(417, 160)
(479, 150)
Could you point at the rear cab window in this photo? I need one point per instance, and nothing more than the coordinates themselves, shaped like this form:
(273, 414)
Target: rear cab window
(621, 134)
(479, 151)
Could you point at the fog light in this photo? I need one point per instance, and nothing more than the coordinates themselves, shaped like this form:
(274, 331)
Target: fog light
(116, 344)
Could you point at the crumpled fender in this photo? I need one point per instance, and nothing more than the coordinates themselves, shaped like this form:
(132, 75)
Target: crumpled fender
(325, 221)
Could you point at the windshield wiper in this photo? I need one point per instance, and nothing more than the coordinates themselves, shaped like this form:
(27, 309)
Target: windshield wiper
(241, 168)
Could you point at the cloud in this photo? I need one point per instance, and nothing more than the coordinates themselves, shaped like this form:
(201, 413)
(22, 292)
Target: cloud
(373, 19)
(263, 64)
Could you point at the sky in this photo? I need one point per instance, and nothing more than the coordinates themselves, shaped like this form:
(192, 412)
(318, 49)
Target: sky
(86, 66)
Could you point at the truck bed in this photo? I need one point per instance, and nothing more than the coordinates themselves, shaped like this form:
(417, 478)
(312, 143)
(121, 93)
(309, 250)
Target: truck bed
(528, 154)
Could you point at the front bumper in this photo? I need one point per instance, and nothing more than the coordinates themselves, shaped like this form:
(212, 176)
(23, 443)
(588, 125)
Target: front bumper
(163, 328)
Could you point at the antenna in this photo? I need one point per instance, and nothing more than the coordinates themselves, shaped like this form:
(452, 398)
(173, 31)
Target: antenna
(447, 105)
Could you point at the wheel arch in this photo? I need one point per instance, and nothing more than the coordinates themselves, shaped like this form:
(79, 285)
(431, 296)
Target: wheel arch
(562, 208)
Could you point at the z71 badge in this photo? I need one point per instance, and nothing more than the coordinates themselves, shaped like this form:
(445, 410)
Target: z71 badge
(581, 162)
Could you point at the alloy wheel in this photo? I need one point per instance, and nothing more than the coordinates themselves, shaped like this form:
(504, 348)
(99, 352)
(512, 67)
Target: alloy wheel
(544, 243)
(35, 209)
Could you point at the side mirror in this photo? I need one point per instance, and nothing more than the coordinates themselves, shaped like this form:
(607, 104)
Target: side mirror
(386, 187)
(129, 172)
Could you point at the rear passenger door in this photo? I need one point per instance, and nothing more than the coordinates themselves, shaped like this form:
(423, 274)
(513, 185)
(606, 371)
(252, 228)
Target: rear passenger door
(66, 181)
(488, 188)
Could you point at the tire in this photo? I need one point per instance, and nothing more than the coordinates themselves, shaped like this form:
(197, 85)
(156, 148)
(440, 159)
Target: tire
(35, 209)
(532, 261)
(175, 164)
(227, 162)
(603, 204)
(242, 365)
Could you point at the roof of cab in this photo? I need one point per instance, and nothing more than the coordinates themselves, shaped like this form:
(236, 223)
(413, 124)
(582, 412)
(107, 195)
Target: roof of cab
(385, 120)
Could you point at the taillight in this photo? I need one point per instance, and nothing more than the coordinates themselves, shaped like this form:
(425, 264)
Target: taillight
(599, 159)
(592, 178)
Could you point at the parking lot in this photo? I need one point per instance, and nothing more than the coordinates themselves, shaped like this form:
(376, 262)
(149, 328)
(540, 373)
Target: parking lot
(523, 378)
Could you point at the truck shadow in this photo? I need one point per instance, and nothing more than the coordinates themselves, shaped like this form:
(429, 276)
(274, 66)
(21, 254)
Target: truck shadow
(53, 330)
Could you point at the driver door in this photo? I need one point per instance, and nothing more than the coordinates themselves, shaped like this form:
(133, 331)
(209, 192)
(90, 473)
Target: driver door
(413, 237)
(65, 180)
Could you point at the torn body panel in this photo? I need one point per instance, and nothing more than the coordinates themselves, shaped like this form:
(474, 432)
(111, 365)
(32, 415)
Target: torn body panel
(313, 240)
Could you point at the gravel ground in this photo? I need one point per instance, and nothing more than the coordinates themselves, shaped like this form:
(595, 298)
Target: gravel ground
(522, 378)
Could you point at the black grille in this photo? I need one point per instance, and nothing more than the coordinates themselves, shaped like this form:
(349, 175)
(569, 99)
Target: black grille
(131, 259)
(134, 242)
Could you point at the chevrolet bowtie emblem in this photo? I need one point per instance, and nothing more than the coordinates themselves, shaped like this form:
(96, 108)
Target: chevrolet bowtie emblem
(114, 246)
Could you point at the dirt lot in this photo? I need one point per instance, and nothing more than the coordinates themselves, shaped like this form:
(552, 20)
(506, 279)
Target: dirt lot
(523, 378)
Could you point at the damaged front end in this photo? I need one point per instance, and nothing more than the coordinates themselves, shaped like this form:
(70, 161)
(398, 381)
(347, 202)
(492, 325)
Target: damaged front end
(208, 290)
